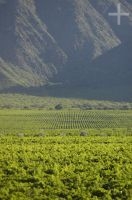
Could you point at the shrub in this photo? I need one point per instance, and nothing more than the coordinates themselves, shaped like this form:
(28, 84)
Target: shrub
(59, 107)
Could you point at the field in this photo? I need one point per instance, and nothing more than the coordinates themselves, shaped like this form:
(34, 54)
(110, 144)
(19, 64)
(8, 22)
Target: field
(70, 167)
(34, 121)
(43, 155)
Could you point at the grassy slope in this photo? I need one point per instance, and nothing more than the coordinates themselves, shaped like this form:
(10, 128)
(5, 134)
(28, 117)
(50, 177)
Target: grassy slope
(20, 101)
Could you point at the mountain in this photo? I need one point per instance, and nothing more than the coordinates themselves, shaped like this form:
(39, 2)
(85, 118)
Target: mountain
(27, 45)
(74, 42)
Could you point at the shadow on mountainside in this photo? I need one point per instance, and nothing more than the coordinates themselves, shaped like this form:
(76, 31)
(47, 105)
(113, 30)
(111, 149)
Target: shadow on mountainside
(109, 78)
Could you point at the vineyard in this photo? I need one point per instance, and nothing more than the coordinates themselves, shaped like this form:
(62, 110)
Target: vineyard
(69, 168)
(43, 156)
(34, 120)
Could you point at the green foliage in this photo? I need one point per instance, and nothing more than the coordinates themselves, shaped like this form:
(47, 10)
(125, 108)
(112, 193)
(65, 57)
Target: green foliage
(43, 156)
(65, 168)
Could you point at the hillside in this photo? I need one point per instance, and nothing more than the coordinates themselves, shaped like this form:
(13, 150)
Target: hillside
(74, 42)
(26, 43)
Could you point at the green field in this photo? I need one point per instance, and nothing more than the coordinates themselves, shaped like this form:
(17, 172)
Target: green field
(35, 121)
(44, 157)
(60, 168)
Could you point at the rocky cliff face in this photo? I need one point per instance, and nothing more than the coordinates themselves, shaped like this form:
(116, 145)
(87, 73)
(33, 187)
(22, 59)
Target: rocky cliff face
(46, 40)
(26, 43)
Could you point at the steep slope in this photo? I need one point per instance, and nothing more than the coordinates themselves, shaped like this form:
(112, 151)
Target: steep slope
(80, 30)
(111, 69)
(26, 43)
(68, 41)
(104, 7)
(5, 80)
(84, 31)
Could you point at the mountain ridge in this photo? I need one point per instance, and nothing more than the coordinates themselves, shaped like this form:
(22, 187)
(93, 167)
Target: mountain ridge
(63, 41)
